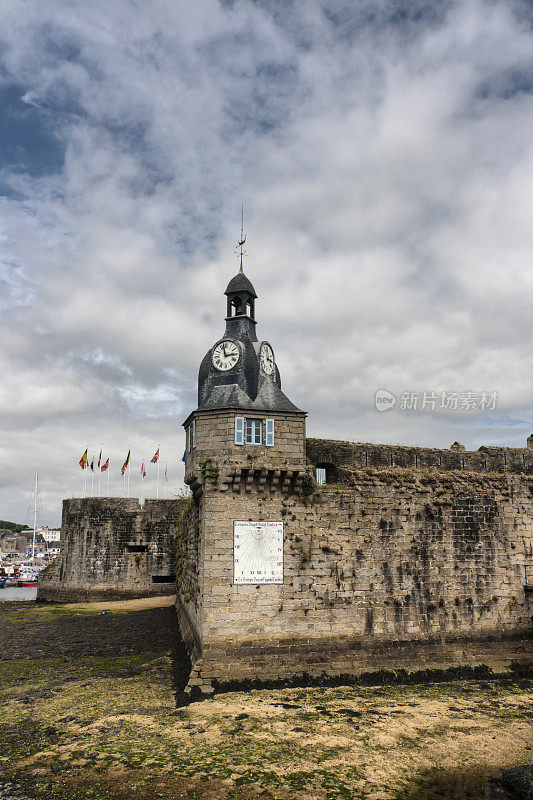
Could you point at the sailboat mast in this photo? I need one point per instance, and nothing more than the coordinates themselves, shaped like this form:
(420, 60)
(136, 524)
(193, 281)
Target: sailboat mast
(34, 515)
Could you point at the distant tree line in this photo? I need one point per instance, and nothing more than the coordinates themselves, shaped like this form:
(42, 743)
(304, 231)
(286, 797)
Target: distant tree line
(12, 526)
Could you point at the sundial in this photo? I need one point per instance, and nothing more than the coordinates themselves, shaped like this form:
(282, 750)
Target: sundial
(257, 552)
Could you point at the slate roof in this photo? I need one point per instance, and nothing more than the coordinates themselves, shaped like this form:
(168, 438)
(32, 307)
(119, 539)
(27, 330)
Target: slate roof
(240, 283)
(270, 398)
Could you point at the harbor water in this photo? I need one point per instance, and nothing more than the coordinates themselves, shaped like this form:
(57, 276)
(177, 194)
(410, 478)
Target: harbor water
(18, 594)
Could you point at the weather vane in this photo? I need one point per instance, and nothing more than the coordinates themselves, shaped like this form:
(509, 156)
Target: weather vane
(240, 252)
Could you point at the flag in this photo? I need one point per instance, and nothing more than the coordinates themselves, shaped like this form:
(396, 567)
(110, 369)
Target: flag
(166, 479)
(155, 459)
(183, 457)
(99, 458)
(143, 471)
(126, 463)
(92, 464)
(83, 460)
(105, 465)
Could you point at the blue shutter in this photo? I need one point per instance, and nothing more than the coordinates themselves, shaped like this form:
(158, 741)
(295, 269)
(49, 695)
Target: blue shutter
(194, 433)
(269, 432)
(239, 430)
(188, 441)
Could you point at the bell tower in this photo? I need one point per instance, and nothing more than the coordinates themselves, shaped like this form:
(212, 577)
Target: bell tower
(245, 462)
(240, 318)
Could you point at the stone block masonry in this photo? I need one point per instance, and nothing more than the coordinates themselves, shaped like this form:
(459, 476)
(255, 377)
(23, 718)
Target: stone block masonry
(215, 440)
(112, 548)
(387, 566)
(403, 567)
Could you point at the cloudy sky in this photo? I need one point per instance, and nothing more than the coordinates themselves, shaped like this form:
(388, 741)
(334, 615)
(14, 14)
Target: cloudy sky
(384, 153)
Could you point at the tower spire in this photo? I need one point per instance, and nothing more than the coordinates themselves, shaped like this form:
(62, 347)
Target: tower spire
(240, 252)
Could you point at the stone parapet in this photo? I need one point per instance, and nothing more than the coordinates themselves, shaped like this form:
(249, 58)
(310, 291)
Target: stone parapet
(340, 457)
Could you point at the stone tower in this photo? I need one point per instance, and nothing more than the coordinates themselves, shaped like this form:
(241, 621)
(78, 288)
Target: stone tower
(245, 453)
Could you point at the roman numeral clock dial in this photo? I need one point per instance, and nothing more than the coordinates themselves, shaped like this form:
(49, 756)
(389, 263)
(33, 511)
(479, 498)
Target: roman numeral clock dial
(225, 356)
(266, 359)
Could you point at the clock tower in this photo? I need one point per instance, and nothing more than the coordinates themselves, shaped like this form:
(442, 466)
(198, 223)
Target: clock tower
(239, 371)
(245, 462)
(242, 411)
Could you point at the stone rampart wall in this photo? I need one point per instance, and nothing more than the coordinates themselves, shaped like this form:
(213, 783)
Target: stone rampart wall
(113, 548)
(346, 456)
(404, 565)
(189, 567)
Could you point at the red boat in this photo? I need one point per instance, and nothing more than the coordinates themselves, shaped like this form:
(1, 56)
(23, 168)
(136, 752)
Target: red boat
(27, 583)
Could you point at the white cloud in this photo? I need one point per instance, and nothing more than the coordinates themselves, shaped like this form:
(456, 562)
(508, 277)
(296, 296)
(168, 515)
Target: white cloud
(384, 159)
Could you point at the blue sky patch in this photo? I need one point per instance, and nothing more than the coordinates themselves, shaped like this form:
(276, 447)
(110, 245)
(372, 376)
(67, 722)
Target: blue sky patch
(28, 141)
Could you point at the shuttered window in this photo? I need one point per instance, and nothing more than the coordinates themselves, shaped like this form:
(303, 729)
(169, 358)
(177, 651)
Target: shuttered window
(269, 432)
(239, 430)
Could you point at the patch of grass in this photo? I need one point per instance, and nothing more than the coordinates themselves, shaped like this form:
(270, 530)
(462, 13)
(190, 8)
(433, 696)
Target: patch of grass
(60, 670)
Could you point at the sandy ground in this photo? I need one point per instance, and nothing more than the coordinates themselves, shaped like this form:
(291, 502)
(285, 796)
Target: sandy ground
(139, 604)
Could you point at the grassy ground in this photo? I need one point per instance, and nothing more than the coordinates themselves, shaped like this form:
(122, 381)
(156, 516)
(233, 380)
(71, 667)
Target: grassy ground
(105, 725)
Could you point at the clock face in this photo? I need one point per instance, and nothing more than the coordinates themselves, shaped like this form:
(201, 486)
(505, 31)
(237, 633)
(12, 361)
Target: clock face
(266, 359)
(225, 356)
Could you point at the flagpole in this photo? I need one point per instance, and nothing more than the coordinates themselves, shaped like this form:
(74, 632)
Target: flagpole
(129, 470)
(100, 471)
(142, 482)
(166, 464)
(107, 490)
(92, 475)
(85, 480)
(82, 477)
(158, 446)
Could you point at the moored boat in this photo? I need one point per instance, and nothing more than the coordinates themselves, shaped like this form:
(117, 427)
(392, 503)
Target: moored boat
(28, 577)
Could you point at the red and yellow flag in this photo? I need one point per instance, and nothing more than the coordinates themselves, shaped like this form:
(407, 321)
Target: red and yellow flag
(83, 460)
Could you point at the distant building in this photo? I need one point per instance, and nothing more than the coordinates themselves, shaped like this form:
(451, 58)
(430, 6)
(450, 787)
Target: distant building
(24, 544)
(7, 542)
(50, 535)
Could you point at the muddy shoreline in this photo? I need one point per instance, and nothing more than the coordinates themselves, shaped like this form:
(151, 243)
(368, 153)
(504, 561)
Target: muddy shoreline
(89, 712)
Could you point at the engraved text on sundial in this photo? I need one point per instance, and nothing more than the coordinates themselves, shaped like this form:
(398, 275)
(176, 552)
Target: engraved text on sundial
(257, 552)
